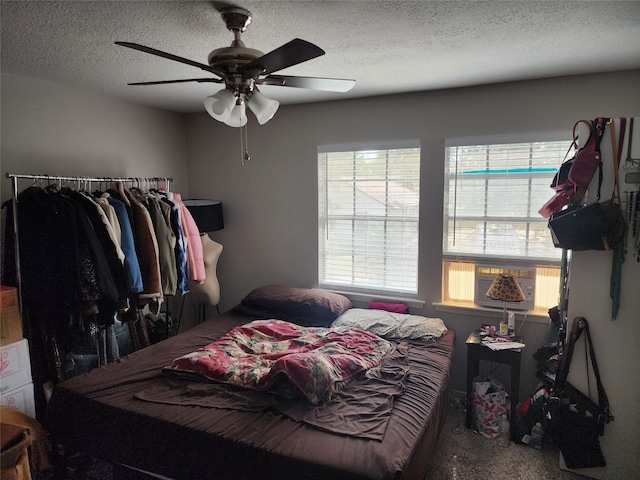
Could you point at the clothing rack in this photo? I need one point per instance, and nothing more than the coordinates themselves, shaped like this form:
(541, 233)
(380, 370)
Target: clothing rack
(51, 352)
(62, 178)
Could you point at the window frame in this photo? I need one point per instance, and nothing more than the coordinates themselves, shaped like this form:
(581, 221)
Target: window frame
(324, 218)
(539, 263)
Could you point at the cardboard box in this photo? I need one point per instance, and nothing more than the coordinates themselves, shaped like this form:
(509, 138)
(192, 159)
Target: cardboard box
(21, 399)
(15, 366)
(10, 324)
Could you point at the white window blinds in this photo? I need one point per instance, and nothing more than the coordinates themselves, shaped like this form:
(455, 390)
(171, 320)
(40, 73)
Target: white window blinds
(368, 219)
(492, 197)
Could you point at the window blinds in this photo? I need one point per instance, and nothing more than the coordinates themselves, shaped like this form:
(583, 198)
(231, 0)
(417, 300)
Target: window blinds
(492, 196)
(368, 219)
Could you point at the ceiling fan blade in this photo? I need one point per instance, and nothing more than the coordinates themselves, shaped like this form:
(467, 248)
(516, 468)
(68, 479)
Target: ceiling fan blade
(313, 83)
(170, 56)
(160, 82)
(287, 55)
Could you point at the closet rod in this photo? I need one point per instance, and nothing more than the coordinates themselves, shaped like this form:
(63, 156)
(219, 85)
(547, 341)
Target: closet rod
(90, 179)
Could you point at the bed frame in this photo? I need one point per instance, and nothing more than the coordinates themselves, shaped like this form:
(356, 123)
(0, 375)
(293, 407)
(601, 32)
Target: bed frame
(98, 413)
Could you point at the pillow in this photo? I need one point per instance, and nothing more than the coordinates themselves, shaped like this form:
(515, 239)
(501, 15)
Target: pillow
(389, 307)
(391, 325)
(303, 306)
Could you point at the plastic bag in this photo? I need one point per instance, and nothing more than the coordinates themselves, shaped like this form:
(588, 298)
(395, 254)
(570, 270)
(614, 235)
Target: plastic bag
(489, 404)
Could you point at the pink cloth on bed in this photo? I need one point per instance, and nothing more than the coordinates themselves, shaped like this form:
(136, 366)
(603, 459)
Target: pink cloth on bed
(276, 355)
(389, 307)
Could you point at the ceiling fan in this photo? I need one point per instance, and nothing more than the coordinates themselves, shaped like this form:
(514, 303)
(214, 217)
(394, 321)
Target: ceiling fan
(243, 69)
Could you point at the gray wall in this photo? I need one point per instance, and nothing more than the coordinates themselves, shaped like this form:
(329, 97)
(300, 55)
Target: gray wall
(270, 207)
(55, 130)
(270, 202)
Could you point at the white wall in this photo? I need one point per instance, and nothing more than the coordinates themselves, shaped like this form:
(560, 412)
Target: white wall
(270, 204)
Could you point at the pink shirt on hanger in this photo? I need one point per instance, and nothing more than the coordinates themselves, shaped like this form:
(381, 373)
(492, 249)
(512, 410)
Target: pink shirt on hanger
(194, 242)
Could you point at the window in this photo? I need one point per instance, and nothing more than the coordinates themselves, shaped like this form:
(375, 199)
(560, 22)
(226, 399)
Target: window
(368, 218)
(492, 197)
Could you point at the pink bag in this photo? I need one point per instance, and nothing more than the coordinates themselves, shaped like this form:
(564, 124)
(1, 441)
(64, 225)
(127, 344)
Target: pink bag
(555, 204)
(574, 175)
(588, 158)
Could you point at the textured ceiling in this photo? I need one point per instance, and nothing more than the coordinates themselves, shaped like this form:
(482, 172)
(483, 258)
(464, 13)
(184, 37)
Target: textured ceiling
(386, 46)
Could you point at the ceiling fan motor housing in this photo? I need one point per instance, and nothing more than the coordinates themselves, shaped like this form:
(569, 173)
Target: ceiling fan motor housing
(228, 59)
(237, 19)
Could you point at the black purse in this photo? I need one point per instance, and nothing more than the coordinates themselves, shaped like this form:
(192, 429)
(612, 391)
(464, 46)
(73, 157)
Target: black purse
(596, 226)
(575, 421)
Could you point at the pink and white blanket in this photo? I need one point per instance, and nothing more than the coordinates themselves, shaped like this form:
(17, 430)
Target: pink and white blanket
(277, 355)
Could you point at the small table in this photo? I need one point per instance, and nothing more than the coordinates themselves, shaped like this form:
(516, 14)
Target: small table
(476, 352)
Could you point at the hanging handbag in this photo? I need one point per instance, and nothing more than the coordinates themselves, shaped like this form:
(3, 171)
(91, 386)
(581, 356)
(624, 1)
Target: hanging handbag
(575, 421)
(588, 159)
(572, 178)
(595, 226)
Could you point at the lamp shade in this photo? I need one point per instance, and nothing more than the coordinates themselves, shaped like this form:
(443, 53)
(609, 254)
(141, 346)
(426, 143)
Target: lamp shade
(220, 105)
(505, 288)
(264, 108)
(238, 116)
(206, 213)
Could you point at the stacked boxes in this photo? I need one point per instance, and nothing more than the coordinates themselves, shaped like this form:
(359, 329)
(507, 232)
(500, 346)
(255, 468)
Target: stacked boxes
(10, 324)
(16, 384)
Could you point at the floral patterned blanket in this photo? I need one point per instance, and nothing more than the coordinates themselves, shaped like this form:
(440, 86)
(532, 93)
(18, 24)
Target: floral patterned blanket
(285, 358)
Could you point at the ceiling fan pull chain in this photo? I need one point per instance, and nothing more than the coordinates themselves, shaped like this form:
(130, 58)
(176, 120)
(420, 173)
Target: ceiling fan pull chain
(241, 148)
(244, 145)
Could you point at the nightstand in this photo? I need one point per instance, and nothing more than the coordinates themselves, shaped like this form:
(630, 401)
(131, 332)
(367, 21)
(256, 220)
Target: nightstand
(476, 352)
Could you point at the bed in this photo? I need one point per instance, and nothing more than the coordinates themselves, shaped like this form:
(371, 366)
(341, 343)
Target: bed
(134, 412)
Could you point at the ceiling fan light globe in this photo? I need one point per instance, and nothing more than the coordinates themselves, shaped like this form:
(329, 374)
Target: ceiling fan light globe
(220, 105)
(263, 107)
(237, 116)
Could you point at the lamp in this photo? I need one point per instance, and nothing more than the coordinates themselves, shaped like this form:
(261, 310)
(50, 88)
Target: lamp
(206, 213)
(219, 106)
(229, 105)
(264, 108)
(238, 116)
(505, 288)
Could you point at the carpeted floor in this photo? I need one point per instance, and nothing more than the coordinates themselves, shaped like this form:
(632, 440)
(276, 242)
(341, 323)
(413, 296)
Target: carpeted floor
(462, 454)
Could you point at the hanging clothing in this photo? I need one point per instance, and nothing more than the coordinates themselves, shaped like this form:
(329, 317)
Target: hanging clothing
(194, 243)
(63, 263)
(84, 258)
(181, 243)
(112, 218)
(166, 246)
(146, 247)
(126, 243)
(107, 238)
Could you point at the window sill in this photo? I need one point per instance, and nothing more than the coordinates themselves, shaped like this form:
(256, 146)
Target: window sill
(535, 316)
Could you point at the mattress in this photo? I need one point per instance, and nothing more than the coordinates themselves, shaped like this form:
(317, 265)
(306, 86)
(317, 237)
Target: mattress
(100, 413)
